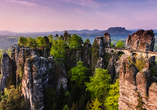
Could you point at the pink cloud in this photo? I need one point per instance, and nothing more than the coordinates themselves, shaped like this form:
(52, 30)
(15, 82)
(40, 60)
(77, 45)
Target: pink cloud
(22, 2)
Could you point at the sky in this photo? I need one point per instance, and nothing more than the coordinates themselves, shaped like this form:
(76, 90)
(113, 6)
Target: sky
(59, 15)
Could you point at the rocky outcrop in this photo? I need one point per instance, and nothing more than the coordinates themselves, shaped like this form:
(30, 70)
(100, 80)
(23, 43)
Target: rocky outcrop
(118, 63)
(86, 58)
(100, 44)
(128, 90)
(137, 89)
(106, 40)
(100, 63)
(111, 69)
(8, 71)
(38, 72)
(141, 40)
(34, 73)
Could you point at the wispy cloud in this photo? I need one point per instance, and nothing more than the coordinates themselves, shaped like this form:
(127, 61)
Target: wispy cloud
(79, 11)
(87, 3)
(23, 2)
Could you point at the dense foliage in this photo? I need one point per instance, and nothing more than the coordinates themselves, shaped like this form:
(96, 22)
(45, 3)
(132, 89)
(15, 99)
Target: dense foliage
(120, 44)
(99, 84)
(88, 88)
(78, 73)
(11, 99)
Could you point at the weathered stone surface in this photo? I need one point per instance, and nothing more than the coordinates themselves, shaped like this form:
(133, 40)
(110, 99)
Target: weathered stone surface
(141, 40)
(86, 58)
(100, 44)
(100, 63)
(128, 91)
(7, 71)
(106, 40)
(111, 69)
(152, 100)
(38, 74)
(118, 63)
(62, 79)
(143, 81)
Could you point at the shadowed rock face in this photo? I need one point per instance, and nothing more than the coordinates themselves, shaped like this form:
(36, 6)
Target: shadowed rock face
(141, 40)
(100, 63)
(103, 42)
(111, 69)
(7, 71)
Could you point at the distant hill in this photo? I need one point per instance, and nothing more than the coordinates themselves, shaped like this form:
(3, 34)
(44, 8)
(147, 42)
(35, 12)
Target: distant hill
(8, 38)
(6, 33)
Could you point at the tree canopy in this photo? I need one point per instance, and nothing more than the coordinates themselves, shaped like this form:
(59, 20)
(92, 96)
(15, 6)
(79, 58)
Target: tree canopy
(78, 73)
(111, 102)
(120, 44)
(99, 83)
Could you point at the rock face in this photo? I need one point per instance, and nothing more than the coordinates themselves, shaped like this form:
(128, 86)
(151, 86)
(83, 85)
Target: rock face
(100, 63)
(111, 69)
(8, 71)
(104, 41)
(141, 40)
(137, 89)
(34, 73)
(128, 91)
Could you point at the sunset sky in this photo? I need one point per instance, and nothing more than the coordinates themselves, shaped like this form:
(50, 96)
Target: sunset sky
(58, 15)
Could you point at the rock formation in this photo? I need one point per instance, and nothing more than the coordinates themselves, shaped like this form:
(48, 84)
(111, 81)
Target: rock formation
(106, 40)
(111, 69)
(100, 63)
(8, 71)
(136, 88)
(128, 91)
(141, 40)
(103, 42)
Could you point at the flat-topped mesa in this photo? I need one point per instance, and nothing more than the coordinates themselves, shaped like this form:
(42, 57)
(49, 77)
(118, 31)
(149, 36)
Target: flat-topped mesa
(141, 40)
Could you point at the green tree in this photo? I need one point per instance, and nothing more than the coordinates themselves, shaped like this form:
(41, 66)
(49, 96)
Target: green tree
(78, 73)
(95, 54)
(40, 41)
(112, 45)
(75, 42)
(111, 102)
(99, 84)
(11, 100)
(31, 42)
(140, 63)
(87, 41)
(22, 41)
(51, 38)
(120, 44)
(66, 107)
(50, 99)
(95, 105)
(58, 48)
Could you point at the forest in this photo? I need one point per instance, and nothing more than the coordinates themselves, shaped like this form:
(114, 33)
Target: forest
(89, 88)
